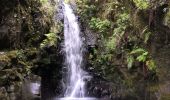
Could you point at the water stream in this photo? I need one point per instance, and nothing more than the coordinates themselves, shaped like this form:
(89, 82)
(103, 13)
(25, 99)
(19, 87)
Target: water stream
(73, 47)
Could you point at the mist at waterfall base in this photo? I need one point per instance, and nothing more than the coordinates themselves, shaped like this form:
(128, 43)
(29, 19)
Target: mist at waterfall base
(73, 47)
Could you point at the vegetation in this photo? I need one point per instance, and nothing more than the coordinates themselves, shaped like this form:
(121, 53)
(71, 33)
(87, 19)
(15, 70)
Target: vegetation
(141, 4)
(130, 53)
(124, 52)
(51, 40)
(99, 25)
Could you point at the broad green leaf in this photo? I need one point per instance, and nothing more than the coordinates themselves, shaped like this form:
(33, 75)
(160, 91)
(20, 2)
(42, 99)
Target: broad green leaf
(130, 61)
(139, 50)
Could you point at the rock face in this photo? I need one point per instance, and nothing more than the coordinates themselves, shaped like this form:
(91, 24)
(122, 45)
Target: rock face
(50, 69)
(31, 88)
(22, 22)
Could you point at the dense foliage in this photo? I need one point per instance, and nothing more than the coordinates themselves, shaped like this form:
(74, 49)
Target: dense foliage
(131, 51)
(125, 29)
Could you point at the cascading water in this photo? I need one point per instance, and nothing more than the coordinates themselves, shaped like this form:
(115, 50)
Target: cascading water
(73, 47)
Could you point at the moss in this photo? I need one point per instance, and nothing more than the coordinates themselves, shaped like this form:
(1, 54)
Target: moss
(12, 54)
(4, 58)
(165, 97)
(24, 23)
(154, 88)
(141, 4)
(3, 94)
(16, 64)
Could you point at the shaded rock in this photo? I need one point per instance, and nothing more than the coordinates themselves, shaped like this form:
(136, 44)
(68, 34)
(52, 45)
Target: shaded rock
(99, 88)
(3, 94)
(22, 23)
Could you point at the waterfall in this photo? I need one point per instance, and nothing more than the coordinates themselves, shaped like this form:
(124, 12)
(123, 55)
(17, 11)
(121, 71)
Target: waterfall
(73, 49)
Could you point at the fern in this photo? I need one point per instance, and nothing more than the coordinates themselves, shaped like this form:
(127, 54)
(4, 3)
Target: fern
(142, 57)
(146, 34)
(142, 4)
(51, 39)
(98, 24)
(137, 54)
(137, 51)
(130, 61)
(151, 64)
(111, 44)
(141, 53)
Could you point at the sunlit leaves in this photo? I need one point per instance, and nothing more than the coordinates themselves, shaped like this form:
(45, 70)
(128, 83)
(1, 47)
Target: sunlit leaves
(140, 55)
(137, 51)
(51, 39)
(142, 4)
(137, 54)
(99, 25)
(122, 23)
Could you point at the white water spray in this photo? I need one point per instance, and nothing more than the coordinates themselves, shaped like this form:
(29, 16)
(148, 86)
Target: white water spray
(73, 47)
(74, 57)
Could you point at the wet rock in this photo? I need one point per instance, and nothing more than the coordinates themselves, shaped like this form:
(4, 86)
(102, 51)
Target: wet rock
(90, 37)
(31, 88)
(99, 88)
(3, 94)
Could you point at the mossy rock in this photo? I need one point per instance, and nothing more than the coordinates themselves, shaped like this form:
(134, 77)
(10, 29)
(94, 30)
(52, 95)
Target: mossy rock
(3, 94)
(24, 22)
(165, 97)
(4, 60)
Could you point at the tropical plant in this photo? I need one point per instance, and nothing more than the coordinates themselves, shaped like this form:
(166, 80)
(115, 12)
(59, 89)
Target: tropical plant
(122, 23)
(51, 39)
(142, 4)
(140, 55)
(99, 25)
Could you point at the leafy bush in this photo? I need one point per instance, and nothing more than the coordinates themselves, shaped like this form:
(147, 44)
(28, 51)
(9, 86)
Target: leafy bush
(51, 39)
(86, 9)
(99, 25)
(140, 55)
(111, 44)
(142, 4)
(122, 23)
